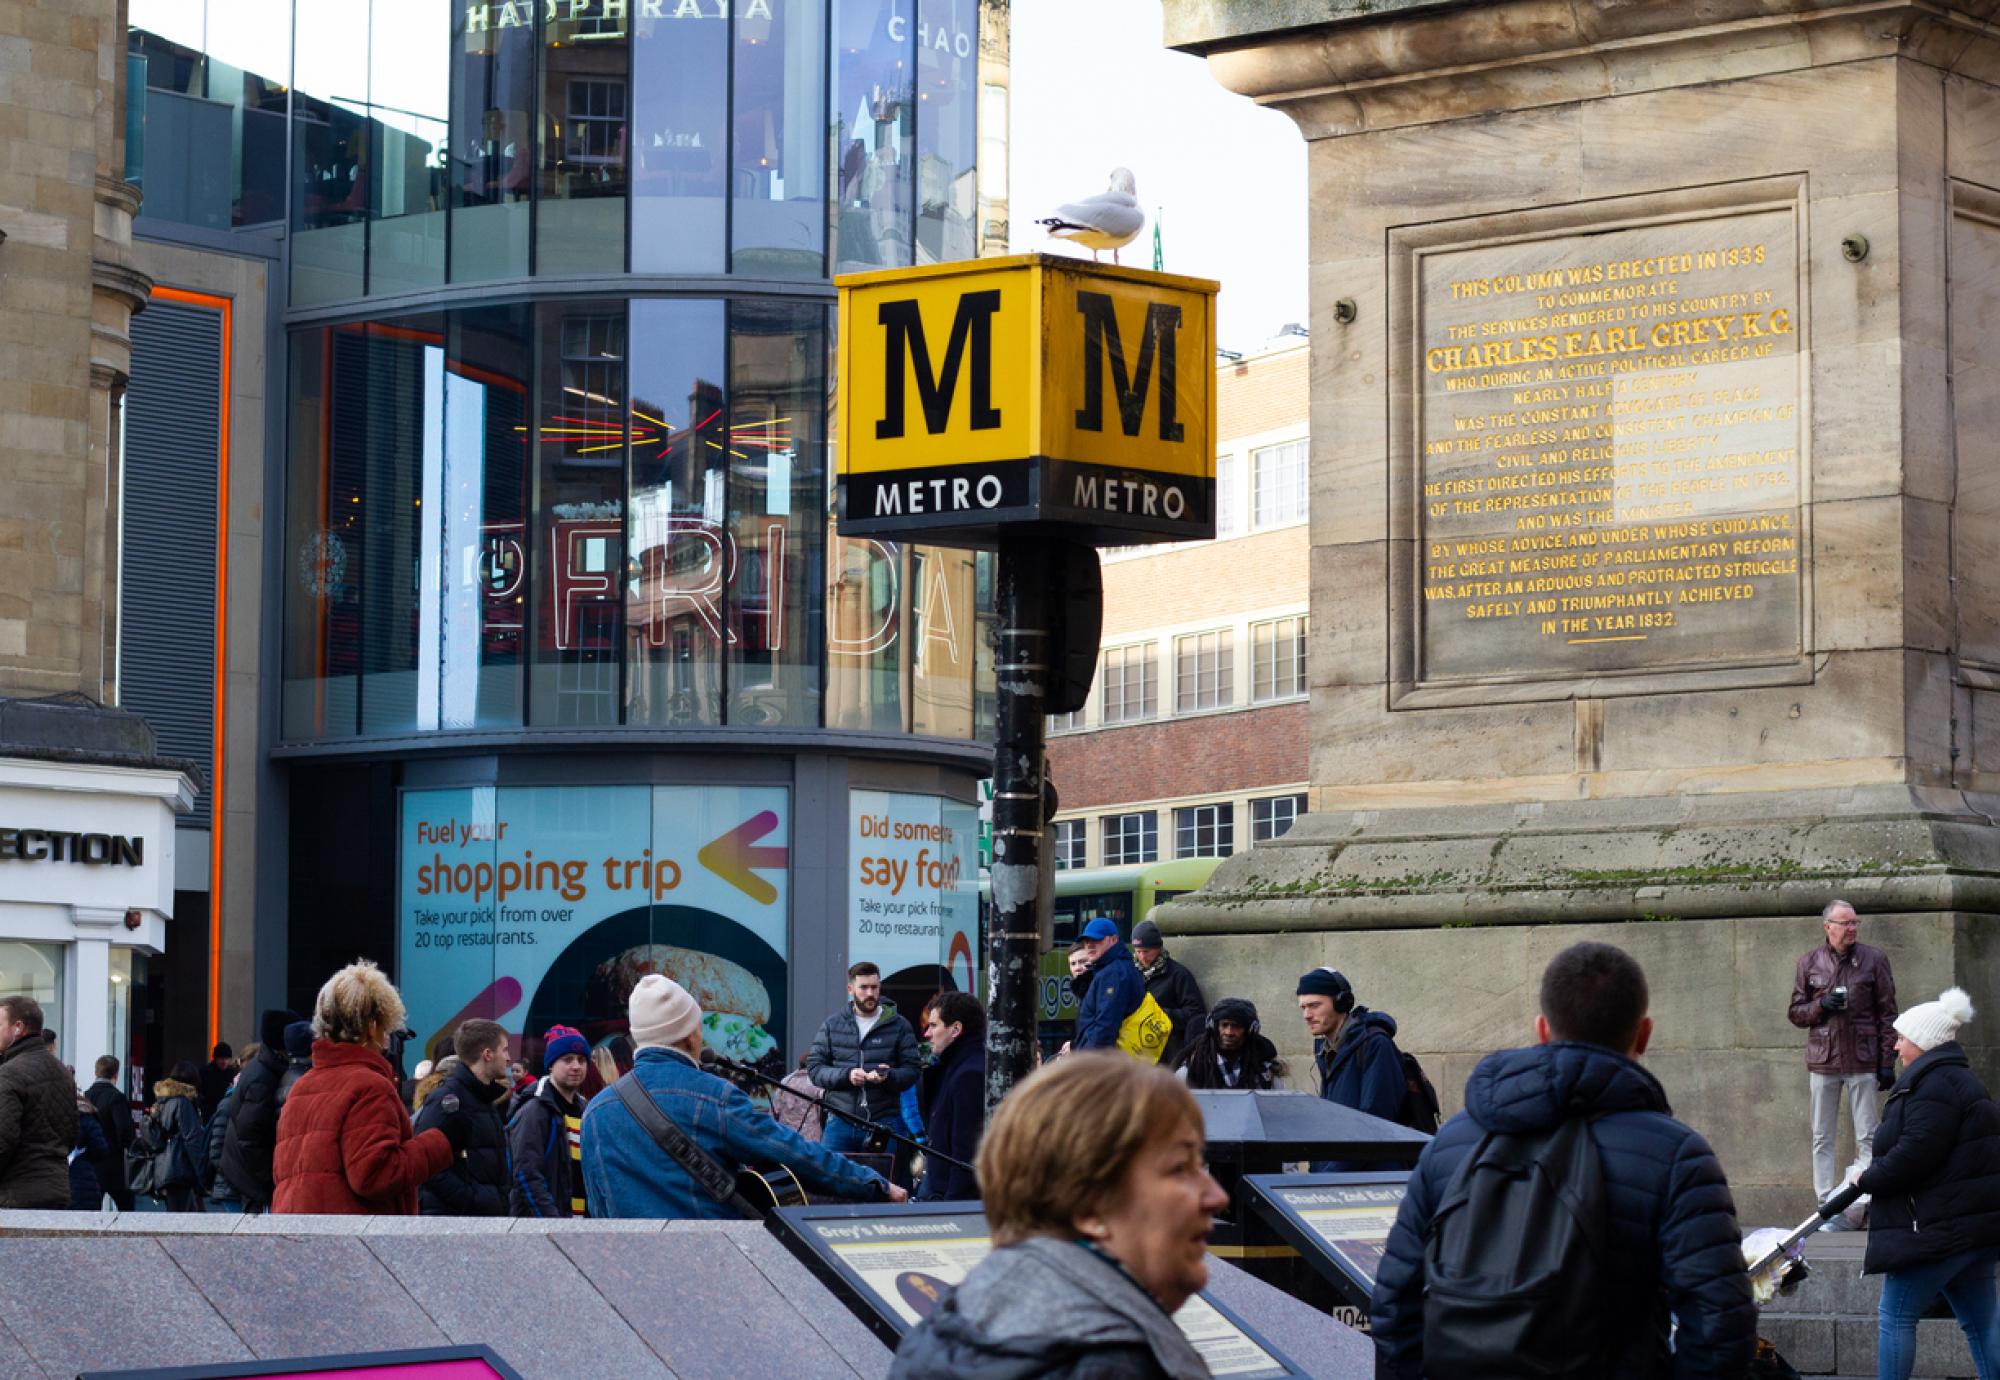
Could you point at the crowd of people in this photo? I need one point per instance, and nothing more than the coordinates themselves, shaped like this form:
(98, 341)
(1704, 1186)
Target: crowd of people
(1092, 1172)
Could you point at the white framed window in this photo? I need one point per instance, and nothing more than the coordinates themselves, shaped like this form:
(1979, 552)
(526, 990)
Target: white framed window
(1278, 484)
(1129, 684)
(1066, 723)
(1205, 831)
(1278, 659)
(1072, 844)
(1133, 838)
(1204, 672)
(1273, 816)
(1228, 501)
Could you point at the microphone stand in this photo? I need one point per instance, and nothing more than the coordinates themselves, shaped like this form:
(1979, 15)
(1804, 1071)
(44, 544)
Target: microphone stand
(709, 1056)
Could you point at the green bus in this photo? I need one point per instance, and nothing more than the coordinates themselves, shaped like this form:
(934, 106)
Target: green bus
(1123, 895)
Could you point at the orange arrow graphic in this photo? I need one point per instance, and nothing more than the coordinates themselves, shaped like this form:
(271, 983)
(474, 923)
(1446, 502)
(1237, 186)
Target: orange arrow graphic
(733, 856)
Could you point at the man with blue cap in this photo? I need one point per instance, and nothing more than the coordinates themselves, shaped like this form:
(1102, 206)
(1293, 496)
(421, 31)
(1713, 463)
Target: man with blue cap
(1116, 987)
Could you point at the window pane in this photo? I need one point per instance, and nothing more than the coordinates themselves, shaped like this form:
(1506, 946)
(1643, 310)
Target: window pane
(580, 225)
(1272, 818)
(874, 124)
(492, 140)
(1132, 838)
(1205, 673)
(1205, 831)
(866, 617)
(1278, 477)
(330, 152)
(947, 129)
(674, 583)
(680, 77)
(249, 70)
(777, 495)
(942, 632)
(483, 580)
(323, 535)
(408, 95)
(580, 514)
(1228, 503)
(402, 432)
(778, 220)
(1071, 844)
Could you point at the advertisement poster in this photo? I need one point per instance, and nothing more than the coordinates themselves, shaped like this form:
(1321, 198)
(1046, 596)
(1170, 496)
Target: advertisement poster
(913, 892)
(545, 904)
(903, 1262)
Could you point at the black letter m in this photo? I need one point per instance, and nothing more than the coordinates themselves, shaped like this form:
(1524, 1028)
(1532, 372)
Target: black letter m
(1100, 341)
(904, 345)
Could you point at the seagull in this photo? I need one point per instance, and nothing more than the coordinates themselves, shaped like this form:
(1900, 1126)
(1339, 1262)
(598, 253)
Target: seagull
(1110, 220)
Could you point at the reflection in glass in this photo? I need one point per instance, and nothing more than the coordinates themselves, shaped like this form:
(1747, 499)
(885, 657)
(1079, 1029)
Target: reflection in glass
(681, 557)
(402, 434)
(482, 513)
(34, 970)
(777, 220)
(867, 620)
(680, 79)
(409, 71)
(985, 690)
(580, 514)
(323, 535)
(330, 153)
(947, 129)
(874, 120)
(581, 220)
(943, 625)
(492, 139)
(777, 497)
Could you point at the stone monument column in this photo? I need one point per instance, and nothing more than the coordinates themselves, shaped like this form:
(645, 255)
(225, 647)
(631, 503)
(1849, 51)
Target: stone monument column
(1655, 509)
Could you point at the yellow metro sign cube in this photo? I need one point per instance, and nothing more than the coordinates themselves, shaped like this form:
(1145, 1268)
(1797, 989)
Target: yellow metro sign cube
(1030, 389)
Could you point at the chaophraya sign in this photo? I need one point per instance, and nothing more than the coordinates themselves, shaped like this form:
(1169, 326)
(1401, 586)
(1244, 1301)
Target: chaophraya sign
(1029, 389)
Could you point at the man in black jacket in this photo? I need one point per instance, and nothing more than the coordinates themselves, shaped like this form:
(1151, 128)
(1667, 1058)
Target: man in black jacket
(37, 1111)
(114, 1111)
(214, 1083)
(250, 1137)
(465, 1107)
(863, 1058)
(1172, 986)
(298, 1058)
(1666, 1205)
(952, 1094)
(545, 1138)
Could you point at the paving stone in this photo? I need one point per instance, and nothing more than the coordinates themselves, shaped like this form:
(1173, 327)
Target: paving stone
(89, 1303)
(304, 1296)
(523, 1297)
(706, 1309)
(817, 1304)
(14, 1359)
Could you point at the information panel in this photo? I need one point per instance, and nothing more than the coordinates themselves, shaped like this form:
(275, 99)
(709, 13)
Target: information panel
(1609, 435)
(1338, 1222)
(891, 1265)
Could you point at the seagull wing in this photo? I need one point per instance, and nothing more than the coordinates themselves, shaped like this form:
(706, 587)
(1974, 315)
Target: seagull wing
(1111, 213)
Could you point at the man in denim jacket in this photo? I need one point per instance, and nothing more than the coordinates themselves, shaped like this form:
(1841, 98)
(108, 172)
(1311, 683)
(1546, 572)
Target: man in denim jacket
(627, 1174)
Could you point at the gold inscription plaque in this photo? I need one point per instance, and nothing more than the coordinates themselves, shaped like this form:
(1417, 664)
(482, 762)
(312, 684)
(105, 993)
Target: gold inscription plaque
(1609, 434)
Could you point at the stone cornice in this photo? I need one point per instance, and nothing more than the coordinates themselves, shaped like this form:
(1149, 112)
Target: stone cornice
(119, 194)
(1420, 63)
(123, 282)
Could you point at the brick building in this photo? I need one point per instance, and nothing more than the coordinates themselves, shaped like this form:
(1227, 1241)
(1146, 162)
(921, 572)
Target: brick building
(1195, 739)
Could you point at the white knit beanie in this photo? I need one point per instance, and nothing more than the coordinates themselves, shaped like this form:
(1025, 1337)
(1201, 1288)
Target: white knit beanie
(661, 1012)
(1931, 1024)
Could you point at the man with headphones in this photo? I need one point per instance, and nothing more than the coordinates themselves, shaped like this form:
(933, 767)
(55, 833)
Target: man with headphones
(1355, 1051)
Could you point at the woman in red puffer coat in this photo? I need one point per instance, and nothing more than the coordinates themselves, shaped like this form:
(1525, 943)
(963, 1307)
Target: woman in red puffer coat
(344, 1139)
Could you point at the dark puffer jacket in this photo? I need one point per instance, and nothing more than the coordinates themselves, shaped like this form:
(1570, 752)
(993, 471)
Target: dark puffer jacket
(1044, 1309)
(1179, 995)
(1669, 1205)
(251, 1137)
(37, 1126)
(1114, 989)
(548, 1180)
(838, 1049)
(476, 1183)
(1363, 1070)
(1936, 1172)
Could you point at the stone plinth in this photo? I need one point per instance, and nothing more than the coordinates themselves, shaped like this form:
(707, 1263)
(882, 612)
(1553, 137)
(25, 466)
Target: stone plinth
(1652, 525)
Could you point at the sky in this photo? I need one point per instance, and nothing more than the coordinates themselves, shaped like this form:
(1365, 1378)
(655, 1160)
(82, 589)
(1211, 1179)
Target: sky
(1093, 89)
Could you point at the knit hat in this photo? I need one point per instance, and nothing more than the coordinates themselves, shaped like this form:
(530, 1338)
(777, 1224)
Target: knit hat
(299, 1039)
(1146, 935)
(661, 1012)
(561, 1040)
(1933, 1022)
(1325, 982)
(1236, 1009)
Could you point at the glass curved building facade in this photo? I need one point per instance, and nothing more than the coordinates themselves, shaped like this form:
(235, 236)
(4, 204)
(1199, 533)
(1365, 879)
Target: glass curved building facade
(575, 677)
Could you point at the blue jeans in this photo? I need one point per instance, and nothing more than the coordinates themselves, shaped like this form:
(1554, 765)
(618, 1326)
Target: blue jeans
(1967, 1282)
(844, 1137)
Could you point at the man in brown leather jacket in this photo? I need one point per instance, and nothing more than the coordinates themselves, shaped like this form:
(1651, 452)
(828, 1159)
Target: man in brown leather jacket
(1844, 997)
(37, 1111)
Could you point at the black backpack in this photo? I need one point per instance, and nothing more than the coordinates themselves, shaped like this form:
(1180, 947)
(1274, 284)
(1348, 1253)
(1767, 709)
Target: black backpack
(1420, 1108)
(1515, 1248)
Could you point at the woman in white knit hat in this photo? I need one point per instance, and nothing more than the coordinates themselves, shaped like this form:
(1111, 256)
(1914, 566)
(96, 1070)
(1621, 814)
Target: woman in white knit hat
(1934, 1219)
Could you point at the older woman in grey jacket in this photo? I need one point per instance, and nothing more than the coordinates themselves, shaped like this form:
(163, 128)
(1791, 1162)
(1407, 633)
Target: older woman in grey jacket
(1094, 1185)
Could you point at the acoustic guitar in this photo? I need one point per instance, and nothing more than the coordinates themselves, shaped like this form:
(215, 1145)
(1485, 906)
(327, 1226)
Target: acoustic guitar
(770, 1189)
